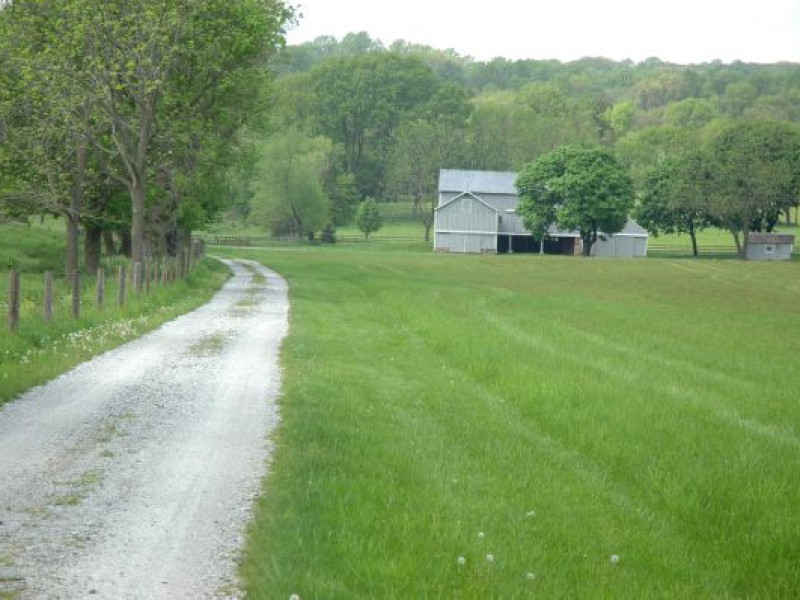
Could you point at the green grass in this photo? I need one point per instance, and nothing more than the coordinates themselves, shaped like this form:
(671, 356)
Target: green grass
(39, 351)
(37, 246)
(567, 409)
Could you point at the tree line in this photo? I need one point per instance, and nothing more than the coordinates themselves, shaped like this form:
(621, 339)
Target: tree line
(368, 121)
(124, 118)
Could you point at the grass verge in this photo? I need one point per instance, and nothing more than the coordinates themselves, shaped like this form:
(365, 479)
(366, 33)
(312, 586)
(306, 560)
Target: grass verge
(503, 427)
(40, 351)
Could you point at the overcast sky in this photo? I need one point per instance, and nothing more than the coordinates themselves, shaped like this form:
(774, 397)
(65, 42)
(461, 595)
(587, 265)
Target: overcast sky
(680, 31)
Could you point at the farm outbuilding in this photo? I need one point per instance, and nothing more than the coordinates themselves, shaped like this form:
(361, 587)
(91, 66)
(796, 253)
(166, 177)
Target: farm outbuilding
(477, 213)
(770, 246)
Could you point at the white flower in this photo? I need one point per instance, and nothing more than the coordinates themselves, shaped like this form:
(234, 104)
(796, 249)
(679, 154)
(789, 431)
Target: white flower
(294, 597)
(490, 558)
(481, 535)
(614, 559)
(461, 561)
(531, 576)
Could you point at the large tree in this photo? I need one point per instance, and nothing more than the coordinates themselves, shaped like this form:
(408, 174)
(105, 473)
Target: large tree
(155, 72)
(580, 188)
(361, 99)
(287, 186)
(675, 197)
(420, 150)
(755, 171)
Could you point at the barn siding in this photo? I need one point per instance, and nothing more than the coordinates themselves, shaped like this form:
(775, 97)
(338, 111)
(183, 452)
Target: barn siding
(626, 246)
(470, 243)
(466, 214)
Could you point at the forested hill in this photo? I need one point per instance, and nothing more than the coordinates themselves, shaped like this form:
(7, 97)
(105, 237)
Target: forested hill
(651, 83)
(361, 119)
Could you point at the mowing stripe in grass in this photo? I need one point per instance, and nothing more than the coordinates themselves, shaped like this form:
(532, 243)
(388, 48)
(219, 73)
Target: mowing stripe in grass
(568, 409)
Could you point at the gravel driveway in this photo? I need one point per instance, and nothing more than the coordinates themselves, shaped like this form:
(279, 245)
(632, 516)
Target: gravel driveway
(134, 475)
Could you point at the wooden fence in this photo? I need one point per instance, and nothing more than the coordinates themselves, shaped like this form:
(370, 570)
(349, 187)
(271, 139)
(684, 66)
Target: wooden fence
(262, 241)
(139, 279)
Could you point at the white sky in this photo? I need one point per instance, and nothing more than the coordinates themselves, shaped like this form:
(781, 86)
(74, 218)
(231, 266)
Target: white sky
(680, 31)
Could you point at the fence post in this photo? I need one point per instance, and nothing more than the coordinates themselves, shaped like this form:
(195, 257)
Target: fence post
(76, 294)
(147, 276)
(156, 274)
(14, 295)
(121, 286)
(48, 295)
(101, 288)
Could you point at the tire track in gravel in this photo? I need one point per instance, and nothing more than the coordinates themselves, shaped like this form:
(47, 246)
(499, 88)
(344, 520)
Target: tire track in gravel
(134, 475)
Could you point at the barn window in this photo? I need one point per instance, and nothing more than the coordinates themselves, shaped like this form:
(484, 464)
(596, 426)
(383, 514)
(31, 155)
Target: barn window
(769, 249)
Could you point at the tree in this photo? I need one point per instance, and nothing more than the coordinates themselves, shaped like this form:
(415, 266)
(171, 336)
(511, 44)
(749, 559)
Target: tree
(342, 198)
(580, 188)
(420, 149)
(755, 171)
(368, 217)
(675, 197)
(151, 74)
(288, 195)
(361, 99)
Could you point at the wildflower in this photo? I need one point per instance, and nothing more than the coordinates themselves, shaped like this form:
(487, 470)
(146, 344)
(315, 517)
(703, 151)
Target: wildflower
(614, 559)
(461, 561)
(294, 597)
(531, 576)
(490, 558)
(481, 535)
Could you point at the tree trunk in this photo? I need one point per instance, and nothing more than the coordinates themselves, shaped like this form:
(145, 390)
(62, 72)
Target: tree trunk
(693, 236)
(125, 243)
(91, 248)
(738, 241)
(75, 206)
(73, 242)
(586, 244)
(138, 199)
(108, 242)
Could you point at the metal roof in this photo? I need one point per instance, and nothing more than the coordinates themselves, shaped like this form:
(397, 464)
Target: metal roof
(486, 182)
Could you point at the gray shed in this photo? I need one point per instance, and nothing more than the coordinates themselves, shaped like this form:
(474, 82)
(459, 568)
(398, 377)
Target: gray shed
(770, 246)
(477, 213)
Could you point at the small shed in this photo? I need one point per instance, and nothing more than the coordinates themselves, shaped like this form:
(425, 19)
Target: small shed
(770, 246)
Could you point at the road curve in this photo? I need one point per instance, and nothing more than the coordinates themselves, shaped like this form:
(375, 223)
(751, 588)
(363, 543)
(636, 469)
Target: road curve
(133, 475)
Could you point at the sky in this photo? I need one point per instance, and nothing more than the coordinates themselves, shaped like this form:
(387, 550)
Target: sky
(678, 31)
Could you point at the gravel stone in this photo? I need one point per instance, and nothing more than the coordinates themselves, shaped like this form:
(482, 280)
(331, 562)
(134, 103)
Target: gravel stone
(134, 475)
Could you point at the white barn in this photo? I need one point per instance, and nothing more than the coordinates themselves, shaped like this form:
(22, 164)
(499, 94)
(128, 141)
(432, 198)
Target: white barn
(477, 213)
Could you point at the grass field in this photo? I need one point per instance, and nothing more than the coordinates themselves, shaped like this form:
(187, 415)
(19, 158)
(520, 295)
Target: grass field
(502, 427)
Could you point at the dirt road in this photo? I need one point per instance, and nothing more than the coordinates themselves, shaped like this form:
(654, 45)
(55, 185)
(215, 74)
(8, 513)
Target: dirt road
(133, 475)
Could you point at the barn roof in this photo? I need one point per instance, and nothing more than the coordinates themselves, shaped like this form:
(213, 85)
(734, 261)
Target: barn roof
(477, 182)
(463, 195)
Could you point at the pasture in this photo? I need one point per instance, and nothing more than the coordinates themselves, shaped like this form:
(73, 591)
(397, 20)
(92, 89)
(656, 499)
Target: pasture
(525, 426)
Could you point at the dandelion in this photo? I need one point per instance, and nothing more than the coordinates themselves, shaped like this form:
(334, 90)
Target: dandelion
(461, 561)
(490, 558)
(531, 576)
(481, 535)
(294, 597)
(614, 559)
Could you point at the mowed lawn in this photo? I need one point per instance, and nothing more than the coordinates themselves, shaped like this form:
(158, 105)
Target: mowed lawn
(536, 419)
